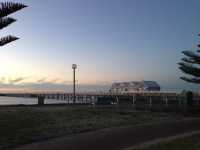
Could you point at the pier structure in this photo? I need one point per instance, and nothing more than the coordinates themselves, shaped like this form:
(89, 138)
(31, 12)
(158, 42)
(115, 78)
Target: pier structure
(144, 99)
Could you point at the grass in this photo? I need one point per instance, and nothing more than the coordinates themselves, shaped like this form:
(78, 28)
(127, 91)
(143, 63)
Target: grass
(186, 143)
(25, 124)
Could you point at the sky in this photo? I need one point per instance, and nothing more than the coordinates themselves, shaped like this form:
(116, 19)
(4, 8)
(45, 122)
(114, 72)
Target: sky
(109, 40)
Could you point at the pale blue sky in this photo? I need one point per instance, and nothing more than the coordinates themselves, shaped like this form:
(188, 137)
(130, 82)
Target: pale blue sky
(110, 40)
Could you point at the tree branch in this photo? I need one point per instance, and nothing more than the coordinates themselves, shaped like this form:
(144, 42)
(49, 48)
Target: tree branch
(8, 39)
(189, 69)
(192, 80)
(4, 22)
(192, 56)
(8, 8)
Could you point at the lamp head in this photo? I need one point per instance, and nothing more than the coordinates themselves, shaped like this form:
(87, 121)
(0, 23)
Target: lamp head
(74, 66)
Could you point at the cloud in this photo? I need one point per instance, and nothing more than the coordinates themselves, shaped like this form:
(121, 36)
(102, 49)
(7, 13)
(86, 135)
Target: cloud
(47, 80)
(42, 80)
(16, 80)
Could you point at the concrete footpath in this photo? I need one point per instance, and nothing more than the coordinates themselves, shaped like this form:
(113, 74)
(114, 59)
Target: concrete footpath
(116, 138)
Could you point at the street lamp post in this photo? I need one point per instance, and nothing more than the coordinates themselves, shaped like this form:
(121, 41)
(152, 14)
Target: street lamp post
(74, 67)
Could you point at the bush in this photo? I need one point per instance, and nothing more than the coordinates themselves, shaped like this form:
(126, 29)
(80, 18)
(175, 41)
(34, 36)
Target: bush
(189, 96)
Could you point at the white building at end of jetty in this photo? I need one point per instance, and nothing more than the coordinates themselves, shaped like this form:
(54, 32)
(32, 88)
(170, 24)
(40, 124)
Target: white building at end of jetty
(134, 86)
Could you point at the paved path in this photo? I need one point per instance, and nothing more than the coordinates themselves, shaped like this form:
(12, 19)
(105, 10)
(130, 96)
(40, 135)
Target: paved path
(116, 138)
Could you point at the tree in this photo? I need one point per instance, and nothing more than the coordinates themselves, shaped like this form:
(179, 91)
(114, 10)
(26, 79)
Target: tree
(7, 8)
(190, 65)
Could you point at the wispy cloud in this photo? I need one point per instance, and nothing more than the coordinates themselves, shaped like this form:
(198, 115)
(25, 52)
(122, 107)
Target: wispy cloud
(48, 80)
(16, 80)
(30, 80)
(42, 80)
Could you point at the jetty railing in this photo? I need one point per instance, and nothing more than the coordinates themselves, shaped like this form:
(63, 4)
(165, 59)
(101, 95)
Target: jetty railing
(140, 100)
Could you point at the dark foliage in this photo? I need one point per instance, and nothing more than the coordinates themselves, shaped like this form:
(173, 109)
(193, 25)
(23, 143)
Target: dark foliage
(4, 22)
(189, 96)
(7, 39)
(191, 66)
(7, 8)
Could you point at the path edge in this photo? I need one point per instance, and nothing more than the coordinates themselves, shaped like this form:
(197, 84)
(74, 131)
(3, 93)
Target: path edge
(161, 140)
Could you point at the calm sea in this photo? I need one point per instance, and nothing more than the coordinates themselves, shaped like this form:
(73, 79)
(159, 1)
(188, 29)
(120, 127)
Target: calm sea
(26, 101)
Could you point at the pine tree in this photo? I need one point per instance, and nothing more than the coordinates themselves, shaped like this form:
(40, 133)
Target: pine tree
(7, 8)
(190, 65)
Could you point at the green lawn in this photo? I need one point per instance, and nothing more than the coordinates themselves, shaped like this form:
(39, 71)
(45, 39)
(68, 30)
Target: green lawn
(25, 124)
(188, 143)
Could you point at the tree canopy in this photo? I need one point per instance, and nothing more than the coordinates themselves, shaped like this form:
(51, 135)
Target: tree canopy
(190, 65)
(7, 8)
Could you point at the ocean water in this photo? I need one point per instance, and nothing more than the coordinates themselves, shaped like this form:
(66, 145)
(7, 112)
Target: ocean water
(26, 101)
